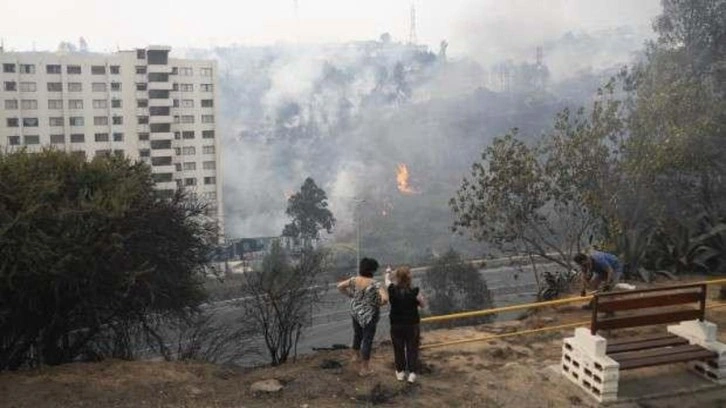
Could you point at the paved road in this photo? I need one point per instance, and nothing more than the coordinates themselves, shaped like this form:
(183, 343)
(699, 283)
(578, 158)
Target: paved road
(331, 323)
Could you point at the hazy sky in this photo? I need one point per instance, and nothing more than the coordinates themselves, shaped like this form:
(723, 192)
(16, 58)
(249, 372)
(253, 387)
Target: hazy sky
(108, 24)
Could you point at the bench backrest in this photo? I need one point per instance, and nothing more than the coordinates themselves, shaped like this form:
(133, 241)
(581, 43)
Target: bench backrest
(647, 305)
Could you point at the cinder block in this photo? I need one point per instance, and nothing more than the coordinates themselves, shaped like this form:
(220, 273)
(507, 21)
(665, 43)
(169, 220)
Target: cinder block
(695, 331)
(593, 345)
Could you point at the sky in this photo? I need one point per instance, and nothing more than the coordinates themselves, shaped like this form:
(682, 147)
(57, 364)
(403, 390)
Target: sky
(466, 24)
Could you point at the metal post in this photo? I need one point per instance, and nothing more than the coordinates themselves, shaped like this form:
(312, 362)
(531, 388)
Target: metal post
(357, 253)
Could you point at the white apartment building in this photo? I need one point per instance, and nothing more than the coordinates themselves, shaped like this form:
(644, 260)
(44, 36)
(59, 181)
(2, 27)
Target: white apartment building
(138, 103)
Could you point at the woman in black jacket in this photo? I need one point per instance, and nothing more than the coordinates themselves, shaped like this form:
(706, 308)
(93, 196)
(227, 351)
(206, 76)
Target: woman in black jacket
(405, 301)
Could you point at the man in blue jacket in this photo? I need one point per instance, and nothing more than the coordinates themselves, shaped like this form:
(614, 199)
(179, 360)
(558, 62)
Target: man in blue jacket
(600, 270)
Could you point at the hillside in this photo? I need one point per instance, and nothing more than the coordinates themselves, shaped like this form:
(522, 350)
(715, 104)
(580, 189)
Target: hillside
(514, 371)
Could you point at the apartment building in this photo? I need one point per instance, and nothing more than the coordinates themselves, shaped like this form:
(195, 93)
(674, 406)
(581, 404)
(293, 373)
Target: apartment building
(139, 103)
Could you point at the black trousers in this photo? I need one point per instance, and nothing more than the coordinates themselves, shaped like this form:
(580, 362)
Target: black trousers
(363, 337)
(406, 339)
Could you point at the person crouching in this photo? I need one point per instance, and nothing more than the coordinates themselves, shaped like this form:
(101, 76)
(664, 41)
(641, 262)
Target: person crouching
(405, 301)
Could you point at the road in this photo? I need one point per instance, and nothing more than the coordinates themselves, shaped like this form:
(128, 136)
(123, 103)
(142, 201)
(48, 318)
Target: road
(331, 322)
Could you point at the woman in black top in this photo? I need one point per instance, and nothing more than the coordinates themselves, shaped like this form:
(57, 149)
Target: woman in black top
(405, 334)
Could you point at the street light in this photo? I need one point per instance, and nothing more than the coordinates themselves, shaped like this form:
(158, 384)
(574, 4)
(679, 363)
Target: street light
(358, 202)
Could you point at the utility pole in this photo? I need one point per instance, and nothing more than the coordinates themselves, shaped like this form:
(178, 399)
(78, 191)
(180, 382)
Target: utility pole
(358, 202)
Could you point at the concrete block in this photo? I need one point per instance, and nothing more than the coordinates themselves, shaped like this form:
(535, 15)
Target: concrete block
(695, 331)
(594, 345)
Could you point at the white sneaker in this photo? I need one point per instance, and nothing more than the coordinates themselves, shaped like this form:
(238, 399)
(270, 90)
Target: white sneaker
(400, 375)
(412, 378)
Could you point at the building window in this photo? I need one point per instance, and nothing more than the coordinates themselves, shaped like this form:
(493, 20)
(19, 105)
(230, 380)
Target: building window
(212, 196)
(160, 144)
(31, 140)
(115, 103)
(118, 137)
(158, 77)
(53, 69)
(100, 121)
(118, 152)
(210, 180)
(142, 120)
(175, 103)
(177, 135)
(11, 104)
(206, 87)
(142, 103)
(73, 69)
(75, 104)
(140, 54)
(98, 87)
(55, 87)
(118, 120)
(209, 165)
(76, 121)
(78, 138)
(103, 153)
(208, 149)
(57, 139)
(206, 72)
(189, 150)
(161, 161)
(186, 71)
(143, 137)
(177, 151)
(178, 166)
(101, 137)
(27, 69)
(12, 122)
(190, 181)
(55, 121)
(163, 177)
(75, 87)
(141, 86)
(30, 122)
(207, 103)
(190, 166)
(207, 118)
(9, 68)
(144, 153)
(28, 87)
(188, 134)
(160, 128)
(186, 87)
(158, 94)
(115, 86)
(29, 104)
(10, 86)
(13, 140)
(207, 134)
(100, 104)
(187, 119)
(115, 69)
(159, 111)
(187, 103)
(140, 69)
(55, 103)
(79, 153)
(98, 70)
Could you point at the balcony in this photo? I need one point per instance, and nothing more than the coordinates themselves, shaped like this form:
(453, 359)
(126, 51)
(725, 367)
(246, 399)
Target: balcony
(161, 86)
(159, 69)
(160, 119)
(161, 136)
(162, 153)
(161, 102)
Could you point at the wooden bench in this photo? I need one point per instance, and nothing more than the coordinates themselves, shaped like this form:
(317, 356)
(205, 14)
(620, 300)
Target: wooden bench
(594, 362)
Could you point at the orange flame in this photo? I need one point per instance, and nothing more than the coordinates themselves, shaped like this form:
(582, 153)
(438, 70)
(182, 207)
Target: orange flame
(402, 179)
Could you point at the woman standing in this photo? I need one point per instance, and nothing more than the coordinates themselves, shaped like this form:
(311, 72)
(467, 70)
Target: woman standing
(367, 297)
(405, 334)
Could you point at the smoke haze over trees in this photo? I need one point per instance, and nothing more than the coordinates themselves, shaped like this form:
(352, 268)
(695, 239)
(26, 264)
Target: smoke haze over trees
(348, 114)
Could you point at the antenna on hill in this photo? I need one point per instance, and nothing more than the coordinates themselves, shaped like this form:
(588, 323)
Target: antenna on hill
(412, 39)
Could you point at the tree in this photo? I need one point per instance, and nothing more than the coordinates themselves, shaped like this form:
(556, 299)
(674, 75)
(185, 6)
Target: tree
(87, 248)
(281, 298)
(452, 285)
(309, 212)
